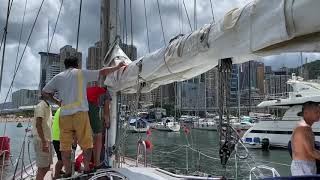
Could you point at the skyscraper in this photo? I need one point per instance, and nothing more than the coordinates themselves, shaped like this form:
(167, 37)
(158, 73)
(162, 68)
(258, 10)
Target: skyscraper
(94, 60)
(260, 78)
(68, 51)
(49, 67)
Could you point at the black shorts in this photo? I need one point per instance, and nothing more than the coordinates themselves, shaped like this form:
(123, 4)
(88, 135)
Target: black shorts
(56, 146)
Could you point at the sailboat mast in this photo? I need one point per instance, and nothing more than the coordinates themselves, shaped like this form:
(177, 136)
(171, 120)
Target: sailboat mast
(239, 110)
(301, 68)
(249, 74)
(109, 14)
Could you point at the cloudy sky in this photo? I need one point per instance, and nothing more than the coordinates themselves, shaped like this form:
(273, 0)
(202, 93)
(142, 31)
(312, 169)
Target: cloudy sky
(173, 16)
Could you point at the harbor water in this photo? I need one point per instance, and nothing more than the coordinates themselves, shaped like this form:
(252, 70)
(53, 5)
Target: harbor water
(171, 153)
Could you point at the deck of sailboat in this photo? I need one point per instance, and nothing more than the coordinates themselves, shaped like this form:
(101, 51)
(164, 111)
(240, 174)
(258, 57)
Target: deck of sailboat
(128, 169)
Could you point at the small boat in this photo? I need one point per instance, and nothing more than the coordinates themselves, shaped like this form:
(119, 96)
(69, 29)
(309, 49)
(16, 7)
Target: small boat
(168, 124)
(137, 125)
(19, 125)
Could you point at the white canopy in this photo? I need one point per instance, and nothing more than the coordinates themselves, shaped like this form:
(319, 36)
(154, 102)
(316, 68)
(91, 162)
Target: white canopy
(261, 28)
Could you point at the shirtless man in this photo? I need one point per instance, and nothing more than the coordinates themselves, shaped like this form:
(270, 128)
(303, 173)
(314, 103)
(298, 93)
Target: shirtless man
(304, 154)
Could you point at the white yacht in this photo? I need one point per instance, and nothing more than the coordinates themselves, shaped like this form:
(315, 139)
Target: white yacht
(168, 124)
(208, 124)
(277, 133)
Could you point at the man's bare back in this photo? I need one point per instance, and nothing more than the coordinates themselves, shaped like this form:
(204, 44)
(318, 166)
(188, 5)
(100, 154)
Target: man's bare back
(303, 143)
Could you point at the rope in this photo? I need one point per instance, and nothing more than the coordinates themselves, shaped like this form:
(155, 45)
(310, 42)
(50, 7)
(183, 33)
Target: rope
(185, 8)
(159, 11)
(146, 19)
(15, 73)
(212, 11)
(79, 22)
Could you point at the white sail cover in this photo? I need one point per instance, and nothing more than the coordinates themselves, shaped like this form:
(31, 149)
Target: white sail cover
(261, 28)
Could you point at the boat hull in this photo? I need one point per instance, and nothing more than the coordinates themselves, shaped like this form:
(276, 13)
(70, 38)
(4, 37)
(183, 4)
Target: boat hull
(277, 132)
(174, 128)
(133, 129)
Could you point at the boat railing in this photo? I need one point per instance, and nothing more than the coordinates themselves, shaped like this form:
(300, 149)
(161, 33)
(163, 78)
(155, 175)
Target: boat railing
(263, 167)
(3, 154)
(141, 144)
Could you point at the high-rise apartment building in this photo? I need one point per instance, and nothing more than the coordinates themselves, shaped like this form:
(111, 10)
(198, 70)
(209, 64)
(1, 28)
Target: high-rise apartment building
(25, 97)
(49, 67)
(69, 51)
(260, 78)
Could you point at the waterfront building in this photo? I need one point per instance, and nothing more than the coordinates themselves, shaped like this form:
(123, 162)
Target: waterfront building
(25, 97)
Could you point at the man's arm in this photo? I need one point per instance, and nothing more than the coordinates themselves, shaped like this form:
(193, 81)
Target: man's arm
(107, 70)
(106, 115)
(50, 97)
(45, 146)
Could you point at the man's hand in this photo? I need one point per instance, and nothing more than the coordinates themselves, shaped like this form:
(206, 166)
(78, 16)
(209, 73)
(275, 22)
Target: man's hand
(59, 103)
(121, 64)
(45, 146)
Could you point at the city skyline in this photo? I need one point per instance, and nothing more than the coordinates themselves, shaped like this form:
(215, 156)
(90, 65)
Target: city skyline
(90, 33)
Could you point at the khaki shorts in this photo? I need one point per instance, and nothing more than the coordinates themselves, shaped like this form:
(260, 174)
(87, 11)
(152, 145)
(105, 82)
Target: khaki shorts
(43, 159)
(79, 124)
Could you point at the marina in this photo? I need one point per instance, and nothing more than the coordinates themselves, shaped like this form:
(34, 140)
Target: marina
(155, 113)
(167, 155)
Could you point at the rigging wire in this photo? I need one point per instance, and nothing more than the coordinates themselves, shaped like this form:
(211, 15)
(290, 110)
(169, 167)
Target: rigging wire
(125, 26)
(21, 153)
(146, 20)
(55, 26)
(15, 73)
(4, 29)
(79, 22)
(20, 36)
(179, 17)
(131, 31)
(159, 11)
(2, 63)
(4, 41)
(185, 9)
(195, 15)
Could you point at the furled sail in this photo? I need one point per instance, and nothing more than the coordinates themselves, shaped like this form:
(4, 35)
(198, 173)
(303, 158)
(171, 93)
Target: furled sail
(261, 28)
